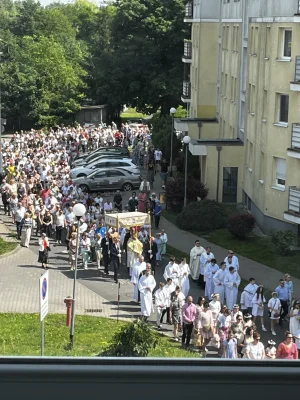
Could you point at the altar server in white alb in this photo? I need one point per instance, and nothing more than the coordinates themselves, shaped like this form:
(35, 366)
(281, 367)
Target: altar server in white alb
(205, 260)
(218, 280)
(211, 270)
(232, 261)
(160, 297)
(184, 272)
(195, 255)
(137, 269)
(231, 282)
(172, 271)
(146, 286)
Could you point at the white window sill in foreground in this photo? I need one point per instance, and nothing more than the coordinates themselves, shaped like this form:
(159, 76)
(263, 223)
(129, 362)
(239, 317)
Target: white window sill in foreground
(281, 124)
(288, 59)
(280, 188)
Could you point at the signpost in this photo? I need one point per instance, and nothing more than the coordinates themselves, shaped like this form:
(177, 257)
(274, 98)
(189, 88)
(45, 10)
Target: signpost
(44, 295)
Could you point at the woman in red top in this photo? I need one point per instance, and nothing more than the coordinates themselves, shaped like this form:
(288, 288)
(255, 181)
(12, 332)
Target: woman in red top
(287, 350)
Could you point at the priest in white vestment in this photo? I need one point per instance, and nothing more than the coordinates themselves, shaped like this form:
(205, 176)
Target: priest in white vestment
(146, 286)
(218, 280)
(231, 282)
(205, 259)
(134, 250)
(172, 271)
(232, 261)
(195, 255)
(211, 270)
(137, 269)
(184, 272)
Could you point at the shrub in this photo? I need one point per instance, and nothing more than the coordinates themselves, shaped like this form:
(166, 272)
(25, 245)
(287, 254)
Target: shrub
(175, 192)
(241, 225)
(134, 340)
(206, 215)
(283, 241)
(193, 165)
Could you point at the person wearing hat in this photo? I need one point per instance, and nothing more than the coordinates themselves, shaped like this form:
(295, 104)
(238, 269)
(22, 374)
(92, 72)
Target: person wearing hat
(274, 307)
(270, 350)
(236, 313)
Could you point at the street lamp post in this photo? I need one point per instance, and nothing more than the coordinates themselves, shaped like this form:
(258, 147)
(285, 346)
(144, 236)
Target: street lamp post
(186, 141)
(172, 112)
(79, 210)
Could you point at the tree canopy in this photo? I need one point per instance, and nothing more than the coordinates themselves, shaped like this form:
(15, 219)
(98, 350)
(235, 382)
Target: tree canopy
(56, 57)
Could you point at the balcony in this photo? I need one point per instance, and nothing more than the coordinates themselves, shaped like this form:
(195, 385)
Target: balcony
(186, 92)
(295, 85)
(294, 150)
(188, 16)
(293, 213)
(187, 52)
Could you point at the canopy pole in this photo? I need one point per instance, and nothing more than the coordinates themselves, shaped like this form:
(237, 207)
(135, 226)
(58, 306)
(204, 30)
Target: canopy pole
(150, 230)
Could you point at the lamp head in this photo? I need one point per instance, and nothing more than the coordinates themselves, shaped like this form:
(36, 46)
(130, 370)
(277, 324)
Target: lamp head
(79, 210)
(172, 110)
(186, 140)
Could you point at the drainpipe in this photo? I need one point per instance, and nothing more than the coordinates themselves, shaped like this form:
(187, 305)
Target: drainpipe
(200, 157)
(219, 149)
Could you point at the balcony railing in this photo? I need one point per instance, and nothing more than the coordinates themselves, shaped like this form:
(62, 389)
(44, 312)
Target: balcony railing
(295, 136)
(297, 69)
(298, 6)
(189, 10)
(294, 200)
(186, 90)
(187, 50)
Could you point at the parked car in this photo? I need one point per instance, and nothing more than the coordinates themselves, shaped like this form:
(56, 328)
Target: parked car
(107, 149)
(86, 170)
(95, 157)
(106, 179)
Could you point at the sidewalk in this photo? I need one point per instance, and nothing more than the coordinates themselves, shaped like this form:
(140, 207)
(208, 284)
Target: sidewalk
(19, 288)
(184, 241)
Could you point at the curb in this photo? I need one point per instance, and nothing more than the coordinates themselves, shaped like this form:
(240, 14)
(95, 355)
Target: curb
(10, 253)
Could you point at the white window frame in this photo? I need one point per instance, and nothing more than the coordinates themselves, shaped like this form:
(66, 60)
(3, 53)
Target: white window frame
(280, 175)
(283, 43)
(282, 123)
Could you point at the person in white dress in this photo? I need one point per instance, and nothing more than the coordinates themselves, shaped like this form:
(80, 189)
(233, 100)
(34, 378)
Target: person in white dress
(234, 262)
(236, 313)
(195, 255)
(168, 289)
(160, 303)
(251, 288)
(218, 280)
(270, 350)
(246, 301)
(137, 269)
(172, 271)
(211, 270)
(215, 308)
(258, 301)
(274, 307)
(146, 286)
(184, 272)
(231, 282)
(205, 260)
(295, 317)
(255, 350)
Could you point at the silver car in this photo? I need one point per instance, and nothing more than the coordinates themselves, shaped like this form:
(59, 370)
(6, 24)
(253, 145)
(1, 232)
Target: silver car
(108, 178)
(103, 163)
(94, 157)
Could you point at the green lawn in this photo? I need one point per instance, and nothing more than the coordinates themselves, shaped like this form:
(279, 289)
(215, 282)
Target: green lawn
(20, 336)
(132, 113)
(6, 247)
(256, 248)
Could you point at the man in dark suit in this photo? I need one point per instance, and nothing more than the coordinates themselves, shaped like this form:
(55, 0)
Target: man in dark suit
(105, 245)
(154, 251)
(115, 257)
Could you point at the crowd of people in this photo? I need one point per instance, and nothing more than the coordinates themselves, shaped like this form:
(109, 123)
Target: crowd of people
(39, 195)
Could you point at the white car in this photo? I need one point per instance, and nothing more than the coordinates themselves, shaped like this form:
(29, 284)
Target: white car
(103, 163)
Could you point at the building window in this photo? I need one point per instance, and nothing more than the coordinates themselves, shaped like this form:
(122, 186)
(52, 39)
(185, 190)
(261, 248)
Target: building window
(283, 108)
(280, 166)
(287, 43)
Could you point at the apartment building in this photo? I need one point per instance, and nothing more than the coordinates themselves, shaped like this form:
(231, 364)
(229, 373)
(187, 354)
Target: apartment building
(251, 153)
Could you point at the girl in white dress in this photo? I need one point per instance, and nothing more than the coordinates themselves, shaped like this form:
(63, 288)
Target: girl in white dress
(270, 350)
(258, 306)
(295, 317)
(215, 308)
(274, 307)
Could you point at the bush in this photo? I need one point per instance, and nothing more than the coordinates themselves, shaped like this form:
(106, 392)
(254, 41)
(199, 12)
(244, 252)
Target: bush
(206, 215)
(175, 192)
(193, 165)
(134, 340)
(241, 225)
(283, 241)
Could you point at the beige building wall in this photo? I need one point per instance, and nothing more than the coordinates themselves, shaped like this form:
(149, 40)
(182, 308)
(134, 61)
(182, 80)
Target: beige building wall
(267, 139)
